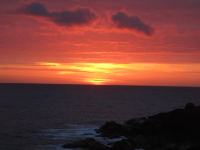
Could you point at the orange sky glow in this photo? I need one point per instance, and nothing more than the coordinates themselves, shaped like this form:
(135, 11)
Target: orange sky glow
(100, 42)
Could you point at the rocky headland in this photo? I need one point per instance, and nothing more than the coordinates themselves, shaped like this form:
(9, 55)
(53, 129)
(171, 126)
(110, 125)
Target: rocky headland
(178, 129)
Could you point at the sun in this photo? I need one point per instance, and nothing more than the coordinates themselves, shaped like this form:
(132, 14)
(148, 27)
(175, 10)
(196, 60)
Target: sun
(96, 81)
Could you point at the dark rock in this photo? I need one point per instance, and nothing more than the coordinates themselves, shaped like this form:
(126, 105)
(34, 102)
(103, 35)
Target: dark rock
(156, 142)
(90, 141)
(189, 106)
(88, 134)
(110, 143)
(125, 130)
(67, 146)
(175, 113)
(135, 130)
(148, 127)
(170, 146)
(114, 136)
(132, 141)
(81, 144)
(86, 143)
(109, 128)
(184, 122)
(183, 147)
(98, 146)
(195, 147)
(178, 129)
(130, 122)
(140, 141)
(123, 144)
(159, 116)
(134, 121)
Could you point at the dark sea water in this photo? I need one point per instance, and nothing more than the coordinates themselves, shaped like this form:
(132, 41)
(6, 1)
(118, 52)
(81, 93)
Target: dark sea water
(44, 117)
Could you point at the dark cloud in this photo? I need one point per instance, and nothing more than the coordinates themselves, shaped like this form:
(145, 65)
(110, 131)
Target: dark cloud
(35, 8)
(132, 22)
(80, 16)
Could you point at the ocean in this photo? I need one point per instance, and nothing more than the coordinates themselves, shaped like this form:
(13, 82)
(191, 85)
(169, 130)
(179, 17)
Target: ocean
(46, 116)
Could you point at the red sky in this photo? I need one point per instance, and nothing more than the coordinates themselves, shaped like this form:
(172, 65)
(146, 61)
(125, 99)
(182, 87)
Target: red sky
(116, 42)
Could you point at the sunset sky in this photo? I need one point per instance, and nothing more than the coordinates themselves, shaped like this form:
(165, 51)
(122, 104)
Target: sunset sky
(103, 42)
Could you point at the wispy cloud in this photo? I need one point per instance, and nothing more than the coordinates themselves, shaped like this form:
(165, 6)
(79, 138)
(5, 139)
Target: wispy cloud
(105, 73)
(105, 68)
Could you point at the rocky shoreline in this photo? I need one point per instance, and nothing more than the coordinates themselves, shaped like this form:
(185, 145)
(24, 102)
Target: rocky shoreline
(178, 129)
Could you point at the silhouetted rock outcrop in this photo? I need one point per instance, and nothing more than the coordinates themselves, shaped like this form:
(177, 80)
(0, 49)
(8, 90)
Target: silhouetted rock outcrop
(178, 129)
(109, 129)
(88, 143)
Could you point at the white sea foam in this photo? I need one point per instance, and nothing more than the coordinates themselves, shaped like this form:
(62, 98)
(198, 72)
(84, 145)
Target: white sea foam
(75, 132)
